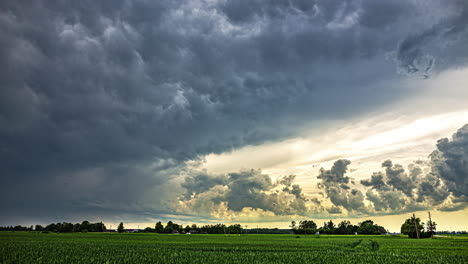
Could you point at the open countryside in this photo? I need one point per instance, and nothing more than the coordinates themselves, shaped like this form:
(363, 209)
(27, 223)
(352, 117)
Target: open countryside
(35, 247)
(233, 131)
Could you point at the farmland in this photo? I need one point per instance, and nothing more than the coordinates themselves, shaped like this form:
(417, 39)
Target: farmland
(35, 247)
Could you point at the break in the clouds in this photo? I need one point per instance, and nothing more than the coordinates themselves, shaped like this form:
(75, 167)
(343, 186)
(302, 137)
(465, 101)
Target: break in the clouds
(103, 104)
(440, 183)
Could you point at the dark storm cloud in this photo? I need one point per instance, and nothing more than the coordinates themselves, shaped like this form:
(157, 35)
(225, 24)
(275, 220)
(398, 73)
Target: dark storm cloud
(111, 98)
(415, 54)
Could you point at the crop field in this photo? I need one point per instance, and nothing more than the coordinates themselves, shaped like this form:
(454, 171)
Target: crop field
(34, 247)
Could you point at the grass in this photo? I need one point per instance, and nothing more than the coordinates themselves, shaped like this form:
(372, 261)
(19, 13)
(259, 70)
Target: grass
(32, 247)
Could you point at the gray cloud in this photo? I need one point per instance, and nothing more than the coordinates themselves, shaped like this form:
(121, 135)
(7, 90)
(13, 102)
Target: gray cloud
(201, 183)
(121, 94)
(450, 163)
(416, 53)
(335, 184)
(397, 178)
(246, 189)
(444, 187)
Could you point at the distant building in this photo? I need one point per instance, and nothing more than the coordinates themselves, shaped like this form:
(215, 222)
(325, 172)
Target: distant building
(132, 230)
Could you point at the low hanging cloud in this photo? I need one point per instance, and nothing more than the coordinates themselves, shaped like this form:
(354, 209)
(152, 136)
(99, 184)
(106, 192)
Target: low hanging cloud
(244, 190)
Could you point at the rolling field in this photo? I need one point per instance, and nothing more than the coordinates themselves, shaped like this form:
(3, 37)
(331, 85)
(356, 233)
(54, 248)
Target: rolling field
(32, 247)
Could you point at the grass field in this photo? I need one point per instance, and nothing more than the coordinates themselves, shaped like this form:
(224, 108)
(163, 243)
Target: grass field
(31, 247)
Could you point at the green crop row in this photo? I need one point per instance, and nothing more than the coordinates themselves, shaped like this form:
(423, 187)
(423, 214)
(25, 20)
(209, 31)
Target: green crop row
(31, 247)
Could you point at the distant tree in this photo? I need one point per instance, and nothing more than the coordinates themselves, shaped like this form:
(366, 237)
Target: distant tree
(85, 225)
(369, 228)
(235, 229)
(293, 225)
(77, 227)
(346, 228)
(51, 228)
(328, 228)
(159, 228)
(431, 227)
(412, 226)
(169, 228)
(330, 225)
(39, 228)
(307, 224)
(120, 229)
(66, 227)
(99, 227)
(306, 227)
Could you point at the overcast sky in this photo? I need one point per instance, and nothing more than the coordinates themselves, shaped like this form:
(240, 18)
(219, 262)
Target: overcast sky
(233, 111)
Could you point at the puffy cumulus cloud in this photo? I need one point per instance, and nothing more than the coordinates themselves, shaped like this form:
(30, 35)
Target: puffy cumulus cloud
(245, 190)
(397, 178)
(97, 92)
(437, 183)
(443, 185)
(450, 163)
(337, 189)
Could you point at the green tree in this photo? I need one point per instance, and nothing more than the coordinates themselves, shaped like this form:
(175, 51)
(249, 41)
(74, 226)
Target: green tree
(159, 228)
(120, 229)
(307, 224)
(431, 227)
(346, 228)
(412, 227)
(369, 228)
(169, 227)
(293, 225)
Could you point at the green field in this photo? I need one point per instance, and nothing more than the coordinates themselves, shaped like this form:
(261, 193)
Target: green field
(34, 247)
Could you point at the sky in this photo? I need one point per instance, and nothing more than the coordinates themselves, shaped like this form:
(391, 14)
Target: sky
(252, 112)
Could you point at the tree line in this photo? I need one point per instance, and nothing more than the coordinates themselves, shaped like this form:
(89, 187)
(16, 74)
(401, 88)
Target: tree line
(413, 227)
(343, 228)
(172, 227)
(63, 227)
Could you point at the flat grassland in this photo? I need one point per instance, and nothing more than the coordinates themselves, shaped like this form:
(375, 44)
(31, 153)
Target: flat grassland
(34, 247)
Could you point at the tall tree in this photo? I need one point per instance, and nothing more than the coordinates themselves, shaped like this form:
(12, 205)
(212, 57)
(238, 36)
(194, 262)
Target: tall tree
(293, 225)
(159, 228)
(120, 229)
(431, 227)
(412, 227)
